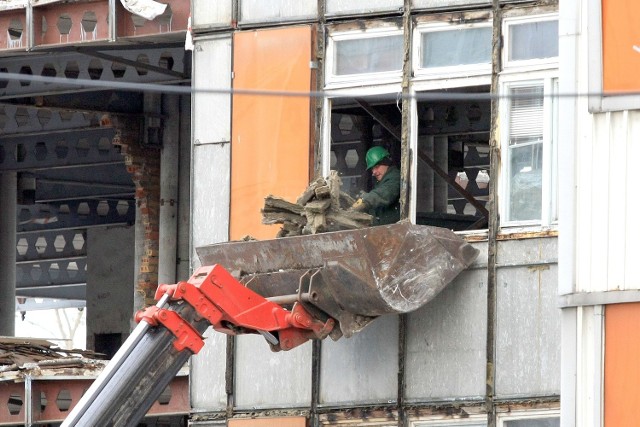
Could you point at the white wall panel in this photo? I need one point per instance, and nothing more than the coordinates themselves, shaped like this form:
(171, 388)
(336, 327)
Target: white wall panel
(343, 7)
(212, 71)
(207, 373)
(607, 203)
(260, 11)
(599, 186)
(632, 200)
(208, 14)
(210, 197)
(265, 379)
(618, 182)
(363, 368)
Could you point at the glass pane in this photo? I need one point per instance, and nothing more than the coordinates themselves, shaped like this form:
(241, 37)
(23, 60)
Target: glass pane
(369, 55)
(456, 47)
(533, 40)
(539, 422)
(525, 195)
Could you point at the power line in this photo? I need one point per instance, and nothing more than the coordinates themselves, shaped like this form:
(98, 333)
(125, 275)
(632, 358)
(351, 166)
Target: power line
(427, 95)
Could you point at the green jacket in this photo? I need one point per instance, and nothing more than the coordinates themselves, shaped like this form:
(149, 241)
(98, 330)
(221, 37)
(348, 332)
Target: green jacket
(384, 199)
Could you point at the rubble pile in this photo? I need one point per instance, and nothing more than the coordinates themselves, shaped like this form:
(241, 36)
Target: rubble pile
(322, 207)
(20, 354)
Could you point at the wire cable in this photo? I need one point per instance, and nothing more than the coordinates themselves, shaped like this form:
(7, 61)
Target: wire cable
(330, 93)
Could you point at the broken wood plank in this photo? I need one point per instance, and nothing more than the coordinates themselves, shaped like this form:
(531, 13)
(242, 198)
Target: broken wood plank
(323, 192)
(282, 217)
(279, 203)
(317, 206)
(309, 192)
(334, 188)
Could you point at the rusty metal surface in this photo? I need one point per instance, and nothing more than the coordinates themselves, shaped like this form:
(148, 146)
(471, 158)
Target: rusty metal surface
(360, 274)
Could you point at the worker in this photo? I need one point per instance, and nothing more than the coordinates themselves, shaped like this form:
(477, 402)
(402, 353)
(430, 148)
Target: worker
(383, 201)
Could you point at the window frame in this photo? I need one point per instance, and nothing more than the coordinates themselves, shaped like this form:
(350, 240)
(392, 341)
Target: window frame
(449, 421)
(549, 205)
(532, 414)
(466, 70)
(333, 80)
(526, 64)
(416, 89)
(371, 90)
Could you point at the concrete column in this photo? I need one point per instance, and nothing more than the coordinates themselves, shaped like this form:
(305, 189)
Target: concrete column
(8, 190)
(169, 169)
(184, 191)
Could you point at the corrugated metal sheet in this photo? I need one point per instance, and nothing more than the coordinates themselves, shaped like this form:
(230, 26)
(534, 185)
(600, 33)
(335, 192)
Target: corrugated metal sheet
(265, 379)
(347, 366)
(212, 111)
(607, 203)
(260, 11)
(446, 342)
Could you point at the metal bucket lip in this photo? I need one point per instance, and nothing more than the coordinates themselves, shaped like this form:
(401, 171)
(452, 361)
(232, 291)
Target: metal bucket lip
(254, 255)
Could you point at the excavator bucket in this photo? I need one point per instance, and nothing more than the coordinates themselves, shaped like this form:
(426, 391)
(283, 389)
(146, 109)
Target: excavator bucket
(352, 276)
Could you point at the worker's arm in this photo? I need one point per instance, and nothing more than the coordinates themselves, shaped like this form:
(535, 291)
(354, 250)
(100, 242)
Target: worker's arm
(386, 193)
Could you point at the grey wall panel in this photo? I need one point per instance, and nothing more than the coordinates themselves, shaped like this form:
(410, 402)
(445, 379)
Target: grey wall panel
(363, 368)
(207, 374)
(446, 350)
(211, 113)
(265, 379)
(345, 7)
(211, 195)
(260, 11)
(209, 14)
(527, 332)
(110, 281)
(525, 251)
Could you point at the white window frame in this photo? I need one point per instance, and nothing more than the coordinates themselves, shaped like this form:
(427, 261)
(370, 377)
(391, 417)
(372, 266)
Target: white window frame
(416, 89)
(449, 421)
(534, 414)
(337, 81)
(549, 208)
(523, 65)
(448, 71)
(392, 90)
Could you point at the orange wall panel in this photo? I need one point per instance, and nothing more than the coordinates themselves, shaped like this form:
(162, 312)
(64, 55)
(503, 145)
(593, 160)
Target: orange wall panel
(622, 365)
(269, 422)
(620, 45)
(270, 136)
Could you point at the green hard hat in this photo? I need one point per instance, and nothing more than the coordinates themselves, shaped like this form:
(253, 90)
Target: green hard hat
(374, 155)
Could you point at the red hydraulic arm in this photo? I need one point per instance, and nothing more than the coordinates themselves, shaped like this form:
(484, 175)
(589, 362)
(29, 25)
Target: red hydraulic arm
(232, 308)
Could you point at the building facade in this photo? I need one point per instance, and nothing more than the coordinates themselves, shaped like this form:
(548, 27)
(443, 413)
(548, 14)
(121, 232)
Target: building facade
(513, 123)
(288, 91)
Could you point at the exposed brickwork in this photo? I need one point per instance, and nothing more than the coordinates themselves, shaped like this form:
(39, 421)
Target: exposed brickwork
(143, 163)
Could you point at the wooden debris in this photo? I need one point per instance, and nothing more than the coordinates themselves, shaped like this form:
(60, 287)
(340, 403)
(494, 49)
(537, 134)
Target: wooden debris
(18, 352)
(322, 207)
